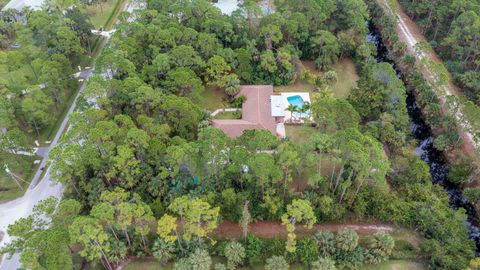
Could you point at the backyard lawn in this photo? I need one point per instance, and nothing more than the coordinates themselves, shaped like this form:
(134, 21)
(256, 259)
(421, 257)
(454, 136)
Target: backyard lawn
(346, 73)
(23, 167)
(300, 134)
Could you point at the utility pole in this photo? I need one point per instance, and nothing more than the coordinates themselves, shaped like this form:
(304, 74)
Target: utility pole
(15, 177)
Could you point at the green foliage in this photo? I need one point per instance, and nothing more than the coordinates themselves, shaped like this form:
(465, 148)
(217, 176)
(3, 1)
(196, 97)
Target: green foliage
(307, 251)
(472, 194)
(379, 248)
(199, 259)
(299, 211)
(346, 240)
(326, 243)
(276, 263)
(326, 48)
(334, 114)
(254, 249)
(323, 263)
(461, 171)
(235, 253)
(163, 250)
(42, 246)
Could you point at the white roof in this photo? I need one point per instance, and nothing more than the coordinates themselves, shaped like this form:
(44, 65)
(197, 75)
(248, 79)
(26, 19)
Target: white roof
(20, 4)
(278, 108)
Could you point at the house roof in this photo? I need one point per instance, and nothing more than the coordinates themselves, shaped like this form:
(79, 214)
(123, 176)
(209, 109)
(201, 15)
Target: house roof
(20, 4)
(256, 112)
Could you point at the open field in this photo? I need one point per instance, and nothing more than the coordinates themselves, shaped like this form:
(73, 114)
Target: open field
(23, 167)
(346, 73)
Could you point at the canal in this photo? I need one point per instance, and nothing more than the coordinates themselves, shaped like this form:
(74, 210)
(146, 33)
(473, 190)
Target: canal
(425, 150)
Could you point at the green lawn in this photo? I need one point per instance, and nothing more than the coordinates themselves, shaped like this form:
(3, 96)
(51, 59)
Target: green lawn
(229, 115)
(346, 73)
(212, 98)
(23, 167)
(300, 134)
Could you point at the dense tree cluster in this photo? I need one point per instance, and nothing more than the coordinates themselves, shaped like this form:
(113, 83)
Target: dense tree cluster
(38, 52)
(141, 152)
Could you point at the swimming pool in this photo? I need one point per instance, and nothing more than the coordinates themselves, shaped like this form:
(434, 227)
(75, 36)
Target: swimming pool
(299, 102)
(296, 101)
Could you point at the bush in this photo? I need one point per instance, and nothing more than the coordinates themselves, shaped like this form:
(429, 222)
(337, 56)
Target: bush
(323, 264)
(461, 170)
(307, 251)
(350, 259)
(255, 249)
(472, 194)
(347, 240)
(326, 243)
(163, 250)
(274, 246)
(235, 253)
(276, 263)
(379, 248)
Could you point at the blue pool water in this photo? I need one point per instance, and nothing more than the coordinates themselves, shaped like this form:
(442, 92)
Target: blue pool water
(299, 102)
(296, 100)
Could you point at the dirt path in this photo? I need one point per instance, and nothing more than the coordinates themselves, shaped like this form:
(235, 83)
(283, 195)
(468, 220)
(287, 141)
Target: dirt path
(273, 229)
(411, 35)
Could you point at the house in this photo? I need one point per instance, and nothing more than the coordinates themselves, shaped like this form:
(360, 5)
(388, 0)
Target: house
(257, 112)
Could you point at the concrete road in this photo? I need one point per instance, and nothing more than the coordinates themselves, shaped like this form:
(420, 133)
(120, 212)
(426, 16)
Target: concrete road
(23, 206)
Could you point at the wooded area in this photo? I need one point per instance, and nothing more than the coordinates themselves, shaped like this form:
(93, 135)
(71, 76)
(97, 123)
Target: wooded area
(145, 175)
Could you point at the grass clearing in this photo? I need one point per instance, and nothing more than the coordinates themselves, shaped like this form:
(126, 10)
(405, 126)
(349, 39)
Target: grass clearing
(21, 166)
(300, 134)
(346, 73)
(212, 99)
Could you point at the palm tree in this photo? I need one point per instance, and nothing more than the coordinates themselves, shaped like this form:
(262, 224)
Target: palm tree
(304, 109)
(292, 108)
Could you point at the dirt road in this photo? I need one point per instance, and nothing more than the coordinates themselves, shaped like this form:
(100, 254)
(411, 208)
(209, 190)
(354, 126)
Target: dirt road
(411, 35)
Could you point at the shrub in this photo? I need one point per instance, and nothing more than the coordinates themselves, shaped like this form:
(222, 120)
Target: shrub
(274, 246)
(326, 243)
(255, 249)
(276, 263)
(307, 251)
(323, 264)
(347, 240)
(235, 253)
(350, 259)
(379, 248)
(163, 250)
